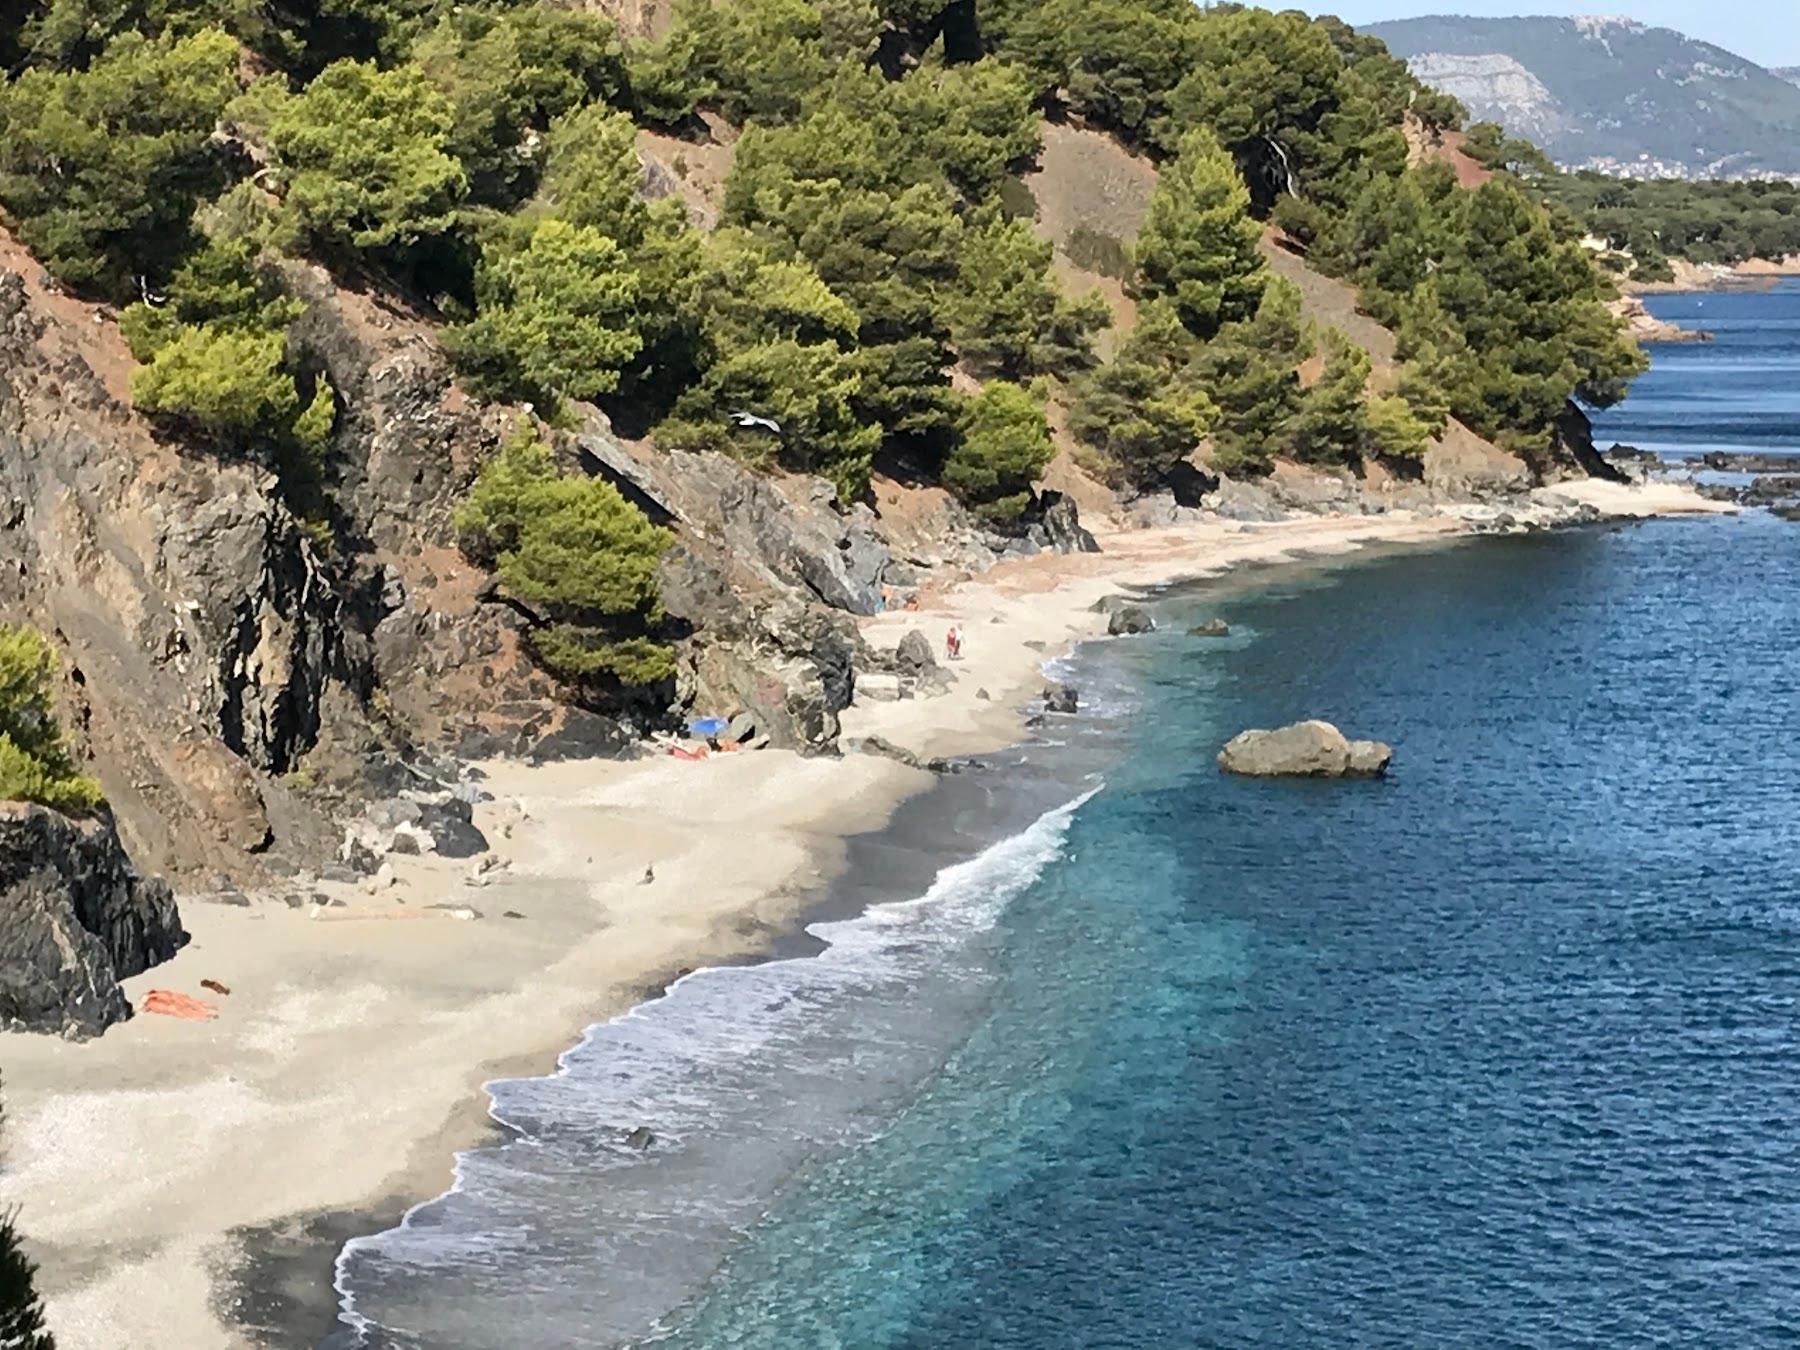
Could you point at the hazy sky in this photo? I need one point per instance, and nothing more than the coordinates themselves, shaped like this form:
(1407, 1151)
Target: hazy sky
(1765, 31)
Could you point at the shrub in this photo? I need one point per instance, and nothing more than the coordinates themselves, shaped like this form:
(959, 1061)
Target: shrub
(100, 168)
(365, 155)
(222, 383)
(1001, 448)
(34, 763)
(557, 318)
(580, 555)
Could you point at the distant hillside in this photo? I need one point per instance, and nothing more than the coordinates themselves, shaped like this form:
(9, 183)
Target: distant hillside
(1610, 93)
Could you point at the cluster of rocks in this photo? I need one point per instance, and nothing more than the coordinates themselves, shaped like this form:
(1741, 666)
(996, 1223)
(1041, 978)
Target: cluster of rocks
(1124, 617)
(1775, 485)
(909, 670)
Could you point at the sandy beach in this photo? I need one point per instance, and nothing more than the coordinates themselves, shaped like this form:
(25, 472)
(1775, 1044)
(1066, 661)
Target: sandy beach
(345, 1065)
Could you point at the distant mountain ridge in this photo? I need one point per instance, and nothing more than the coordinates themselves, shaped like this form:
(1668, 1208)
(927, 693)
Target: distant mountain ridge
(1611, 93)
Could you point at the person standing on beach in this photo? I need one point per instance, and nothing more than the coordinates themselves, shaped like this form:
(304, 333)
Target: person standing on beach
(953, 644)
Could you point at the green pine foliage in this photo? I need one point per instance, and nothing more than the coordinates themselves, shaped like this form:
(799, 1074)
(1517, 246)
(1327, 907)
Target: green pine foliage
(1003, 446)
(365, 155)
(100, 168)
(1145, 411)
(1198, 243)
(557, 317)
(580, 557)
(1330, 424)
(34, 762)
(1251, 373)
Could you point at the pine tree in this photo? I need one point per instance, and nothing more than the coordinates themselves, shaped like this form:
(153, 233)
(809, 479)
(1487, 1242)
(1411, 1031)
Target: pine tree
(1143, 411)
(1002, 447)
(1329, 425)
(1250, 372)
(558, 317)
(1198, 243)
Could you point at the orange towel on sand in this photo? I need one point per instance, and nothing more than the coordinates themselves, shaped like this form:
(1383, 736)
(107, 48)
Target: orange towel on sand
(171, 1004)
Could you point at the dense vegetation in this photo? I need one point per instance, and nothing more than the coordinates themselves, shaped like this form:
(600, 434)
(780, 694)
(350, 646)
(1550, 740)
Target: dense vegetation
(34, 763)
(172, 155)
(1645, 223)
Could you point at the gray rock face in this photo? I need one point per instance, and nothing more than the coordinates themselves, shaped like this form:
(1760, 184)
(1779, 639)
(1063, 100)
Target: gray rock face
(1310, 749)
(75, 919)
(913, 656)
(1128, 619)
(1063, 530)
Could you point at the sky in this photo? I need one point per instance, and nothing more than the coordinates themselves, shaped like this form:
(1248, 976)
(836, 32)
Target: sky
(1764, 31)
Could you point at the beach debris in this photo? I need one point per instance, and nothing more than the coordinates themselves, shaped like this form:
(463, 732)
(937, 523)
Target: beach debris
(215, 986)
(648, 877)
(640, 1138)
(169, 1003)
(511, 914)
(1211, 628)
(463, 912)
(1061, 698)
(1310, 749)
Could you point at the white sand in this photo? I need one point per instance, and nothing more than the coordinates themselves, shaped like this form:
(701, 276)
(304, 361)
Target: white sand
(344, 1068)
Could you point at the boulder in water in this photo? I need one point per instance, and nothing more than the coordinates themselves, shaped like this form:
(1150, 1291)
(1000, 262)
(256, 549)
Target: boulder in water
(1310, 749)
(1128, 619)
(1211, 628)
(1060, 698)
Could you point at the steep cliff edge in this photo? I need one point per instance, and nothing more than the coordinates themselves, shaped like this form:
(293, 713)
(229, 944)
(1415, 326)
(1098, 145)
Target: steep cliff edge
(75, 919)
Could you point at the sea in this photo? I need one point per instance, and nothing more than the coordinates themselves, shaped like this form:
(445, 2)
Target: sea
(1094, 1046)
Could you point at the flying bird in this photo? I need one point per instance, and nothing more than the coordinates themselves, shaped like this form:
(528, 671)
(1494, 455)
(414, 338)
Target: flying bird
(750, 419)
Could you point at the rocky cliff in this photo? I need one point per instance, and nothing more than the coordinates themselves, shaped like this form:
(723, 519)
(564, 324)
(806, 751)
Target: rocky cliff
(75, 919)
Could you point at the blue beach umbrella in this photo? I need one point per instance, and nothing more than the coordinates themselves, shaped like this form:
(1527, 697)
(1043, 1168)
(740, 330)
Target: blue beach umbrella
(707, 726)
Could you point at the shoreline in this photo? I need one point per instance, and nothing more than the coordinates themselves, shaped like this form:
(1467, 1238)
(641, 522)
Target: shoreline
(358, 1036)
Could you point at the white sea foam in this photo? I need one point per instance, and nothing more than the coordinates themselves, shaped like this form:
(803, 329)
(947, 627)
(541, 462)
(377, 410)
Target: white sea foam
(744, 1074)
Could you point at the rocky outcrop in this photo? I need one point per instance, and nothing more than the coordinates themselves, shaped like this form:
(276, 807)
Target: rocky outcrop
(1124, 620)
(75, 919)
(1303, 750)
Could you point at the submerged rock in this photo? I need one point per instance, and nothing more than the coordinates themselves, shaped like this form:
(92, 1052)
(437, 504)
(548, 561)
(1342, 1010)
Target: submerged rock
(75, 919)
(1310, 749)
(1211, 628)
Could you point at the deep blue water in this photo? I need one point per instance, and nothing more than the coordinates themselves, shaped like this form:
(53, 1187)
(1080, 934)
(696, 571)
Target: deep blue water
(1739, 392)
(1501, 1050)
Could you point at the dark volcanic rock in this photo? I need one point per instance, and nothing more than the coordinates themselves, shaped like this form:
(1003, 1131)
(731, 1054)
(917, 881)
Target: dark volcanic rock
(75, 919)
(1061, 698)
